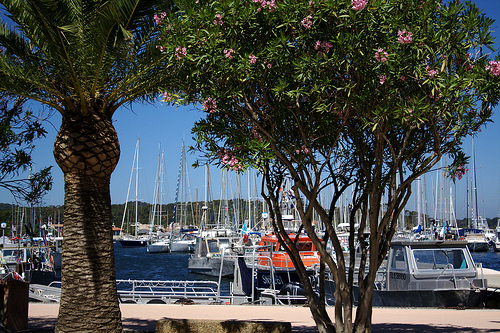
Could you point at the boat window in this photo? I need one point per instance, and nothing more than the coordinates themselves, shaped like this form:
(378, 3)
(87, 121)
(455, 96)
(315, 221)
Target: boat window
(398, 258)
(440, 259)
(213, 246)
(202, 249)
(304, 246)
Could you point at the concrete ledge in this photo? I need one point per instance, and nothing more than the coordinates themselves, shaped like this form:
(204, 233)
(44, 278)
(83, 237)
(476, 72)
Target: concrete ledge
(220, 326)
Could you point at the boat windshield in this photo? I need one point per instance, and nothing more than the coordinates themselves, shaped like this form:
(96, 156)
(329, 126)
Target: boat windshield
(438, 259)
(398, 258)
(213, 246)
(301, 246)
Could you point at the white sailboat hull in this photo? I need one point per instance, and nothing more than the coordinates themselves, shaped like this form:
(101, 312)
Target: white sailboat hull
(159, 247)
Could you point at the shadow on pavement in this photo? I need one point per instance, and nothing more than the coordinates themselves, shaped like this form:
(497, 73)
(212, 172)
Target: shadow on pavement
(419, 328)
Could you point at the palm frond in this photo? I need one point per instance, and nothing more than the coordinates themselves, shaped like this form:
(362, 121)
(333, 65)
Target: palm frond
(75, 55)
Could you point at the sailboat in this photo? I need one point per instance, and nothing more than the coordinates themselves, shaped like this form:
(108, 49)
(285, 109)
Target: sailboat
(159, 243)
(185, 240)
(475, 234)
(128, 240)
(211, 245)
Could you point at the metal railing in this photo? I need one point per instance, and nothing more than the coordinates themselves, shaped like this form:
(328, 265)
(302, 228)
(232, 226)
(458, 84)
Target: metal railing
(150, 291)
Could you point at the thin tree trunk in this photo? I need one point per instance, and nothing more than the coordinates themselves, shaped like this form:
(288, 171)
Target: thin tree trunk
(87, 150)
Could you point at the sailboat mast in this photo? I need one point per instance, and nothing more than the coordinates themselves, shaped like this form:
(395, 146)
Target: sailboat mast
(136, 186)
(474, 188)
(249, 201)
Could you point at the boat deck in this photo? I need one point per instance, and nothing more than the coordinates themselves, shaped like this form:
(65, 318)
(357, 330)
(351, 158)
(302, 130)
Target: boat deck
(493, 278)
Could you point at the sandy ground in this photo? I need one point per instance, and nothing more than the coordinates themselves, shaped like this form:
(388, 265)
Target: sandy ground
(42, 317)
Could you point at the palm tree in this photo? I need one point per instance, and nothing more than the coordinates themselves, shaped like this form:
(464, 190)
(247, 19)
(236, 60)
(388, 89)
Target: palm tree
(84, 59)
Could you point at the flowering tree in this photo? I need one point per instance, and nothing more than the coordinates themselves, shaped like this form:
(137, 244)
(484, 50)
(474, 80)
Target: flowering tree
(18, 131)
(338, 92)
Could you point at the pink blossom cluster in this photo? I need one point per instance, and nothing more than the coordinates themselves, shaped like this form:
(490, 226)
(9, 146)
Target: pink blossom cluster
(268, 64)
(410, 112)
(359, 4)
(461, 170)
(180, 52)
(227, 158)
(167, 97)
(493, 67)
(303, 150)
(306, 22)
(322, 47)
(381, 55)
(218, 20)
(160, 47)
(210, 105)
(404, 36)
(435, 95)
(263, 4)
(252, 59)
(431, 72)
(158, 18)
(228, 53)
(256, 135)
(382, 79)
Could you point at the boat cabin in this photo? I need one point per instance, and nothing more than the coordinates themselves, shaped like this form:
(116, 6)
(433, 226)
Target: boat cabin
(429, 265)
(304, 243)
(272, 253)
(428, 274)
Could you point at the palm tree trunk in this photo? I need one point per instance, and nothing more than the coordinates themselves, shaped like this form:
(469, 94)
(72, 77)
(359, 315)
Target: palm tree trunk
(87, 150)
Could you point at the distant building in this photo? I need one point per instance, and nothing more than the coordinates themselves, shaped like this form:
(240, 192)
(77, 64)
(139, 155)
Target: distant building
(116, 231)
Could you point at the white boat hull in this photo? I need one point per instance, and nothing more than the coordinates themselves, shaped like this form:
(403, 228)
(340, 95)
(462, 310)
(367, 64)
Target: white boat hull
(159, 247)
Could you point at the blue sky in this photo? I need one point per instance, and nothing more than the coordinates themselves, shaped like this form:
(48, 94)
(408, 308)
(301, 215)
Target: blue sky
(169, 126)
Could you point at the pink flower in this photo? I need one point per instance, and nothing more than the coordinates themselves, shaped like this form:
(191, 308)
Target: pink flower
(303, 150)
(256, 135)
(263, 4)
(402, 78)
(158, 19)
(381, 55)
(461, 170)
(322, 47)
(210, 105)
(228, 53)
(431, 72)
(306, 22)
(253, 59)
(359, 4)
(267, 64)
(167, 97)
(493, 67)
(382, 79)
(404, 36)
(218, 20)
(226, 157)
(180, 52)
(160, 47)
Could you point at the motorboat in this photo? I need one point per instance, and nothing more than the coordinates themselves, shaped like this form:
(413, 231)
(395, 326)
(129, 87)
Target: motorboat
(428, 274)
(159, 246)
(209, 256)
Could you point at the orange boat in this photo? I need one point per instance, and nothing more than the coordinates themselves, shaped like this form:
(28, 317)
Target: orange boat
(274, 253)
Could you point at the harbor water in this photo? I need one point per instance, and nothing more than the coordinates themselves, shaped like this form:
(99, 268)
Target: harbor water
(135, 263)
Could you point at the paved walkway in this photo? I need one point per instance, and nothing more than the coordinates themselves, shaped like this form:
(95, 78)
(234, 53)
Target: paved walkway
(42, 317)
